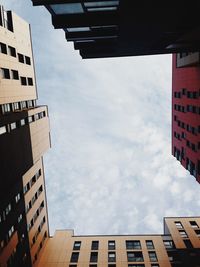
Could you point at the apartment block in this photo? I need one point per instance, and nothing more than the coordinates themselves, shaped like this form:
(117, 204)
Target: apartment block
(179, 246)
(186, 111)
(116, 28)
(24, 138)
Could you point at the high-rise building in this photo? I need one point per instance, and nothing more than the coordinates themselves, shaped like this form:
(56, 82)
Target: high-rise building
(113, 28)
(179, 246)
(186, 111)
(24, 137)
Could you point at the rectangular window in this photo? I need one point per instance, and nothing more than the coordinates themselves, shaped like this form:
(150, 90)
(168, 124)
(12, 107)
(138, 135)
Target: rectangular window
(183, 234)
(197, 232)
(23, 80)
(95, 245)
(14, 74)
(94, 257)
(149, 244)
(22, 122)
(21, 58)
(2, 130)
(152, 256)
(74, 257)
(133, 244)
(27, 60)
(12, 51)
(168, 244)
(3, 48)
(136, 265)
(30, 81)
(154, 265)
(5, 73)
(135, 256)
(111, 257)
(179, 225)
(13, 126)
(194, 224)
(188, 243)
(111, 245)
(77, 245)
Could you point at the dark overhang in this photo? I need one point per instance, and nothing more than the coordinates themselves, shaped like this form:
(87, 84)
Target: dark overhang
(113, 28)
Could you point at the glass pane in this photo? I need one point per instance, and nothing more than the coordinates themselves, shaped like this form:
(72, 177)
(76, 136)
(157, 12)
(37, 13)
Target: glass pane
(72, 8)
(78, 29)
(101, 3)
(101, 9)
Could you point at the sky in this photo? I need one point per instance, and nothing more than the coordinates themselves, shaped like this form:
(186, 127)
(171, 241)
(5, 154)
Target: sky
(110, 168)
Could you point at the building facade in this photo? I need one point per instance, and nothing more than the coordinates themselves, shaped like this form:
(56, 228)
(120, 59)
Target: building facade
(186, 111)
(24, 137)
(116, 28)
(179, 246)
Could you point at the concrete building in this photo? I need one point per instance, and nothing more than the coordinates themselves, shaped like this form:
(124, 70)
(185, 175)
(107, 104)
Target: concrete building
(24, 137)
(179, 246)
(186, 111)
(115, 28)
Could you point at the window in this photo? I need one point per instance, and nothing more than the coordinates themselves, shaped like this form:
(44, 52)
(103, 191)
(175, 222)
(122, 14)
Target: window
(3, 48)
(19, 218)
(194, 224)
(20, 58)
(179, 225)
(22, 122)
(183, 234)
(17, 197)
(68, 8)
(95, 245)
(2, 130)
(111, 245)
(197, 232)
(5, 73)
(15, 106)
(149, 244)
(111, 257)
(12, 51)
(30, 81)
(93, 265)
(13, 126)
(23, 80)
(11, 231)
(74, 257)
(130, 244)
(14, 74)
(94, 257)
(168, 244)
(134, 256)
(77, 245)
(27, 60)
(136, 265)
(30, 119)
(8, 209)
(152, 256)
(154, 265)
(111, 265)
(188, 243)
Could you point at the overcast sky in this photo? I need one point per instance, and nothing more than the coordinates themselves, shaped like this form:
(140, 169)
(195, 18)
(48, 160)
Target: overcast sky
(110, 169)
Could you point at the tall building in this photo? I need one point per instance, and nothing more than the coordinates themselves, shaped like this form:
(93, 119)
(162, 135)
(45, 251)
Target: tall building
(24, 137)
(186, 111)
(179, 246)
(114, 28)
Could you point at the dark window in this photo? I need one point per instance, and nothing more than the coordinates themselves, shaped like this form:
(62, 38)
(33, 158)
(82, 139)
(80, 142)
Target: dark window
(136, 265)
(23, 80)
(183, 234)
(197, 232)
(21, 58)
(135, 256)
(74, 257)
(130, 244)
(93, 265)
(5, 73)
(179, 225)
(12, 51)
(95, 245)
(27, 60)
(72, 265)
(3, 48)
(188, 243)
(194, 224)
(111, 245)
(30, 81)
(168, 244)
(111, 265)
(94, 257)
(15, 74)
(77, 245)
(111, 257)
(152, 256)
(149, 244)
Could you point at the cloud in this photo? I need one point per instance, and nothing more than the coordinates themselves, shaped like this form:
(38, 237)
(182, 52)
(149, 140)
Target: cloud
(110, 169)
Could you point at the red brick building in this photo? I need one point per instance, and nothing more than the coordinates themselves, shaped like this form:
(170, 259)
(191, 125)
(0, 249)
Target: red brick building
(186, 111)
